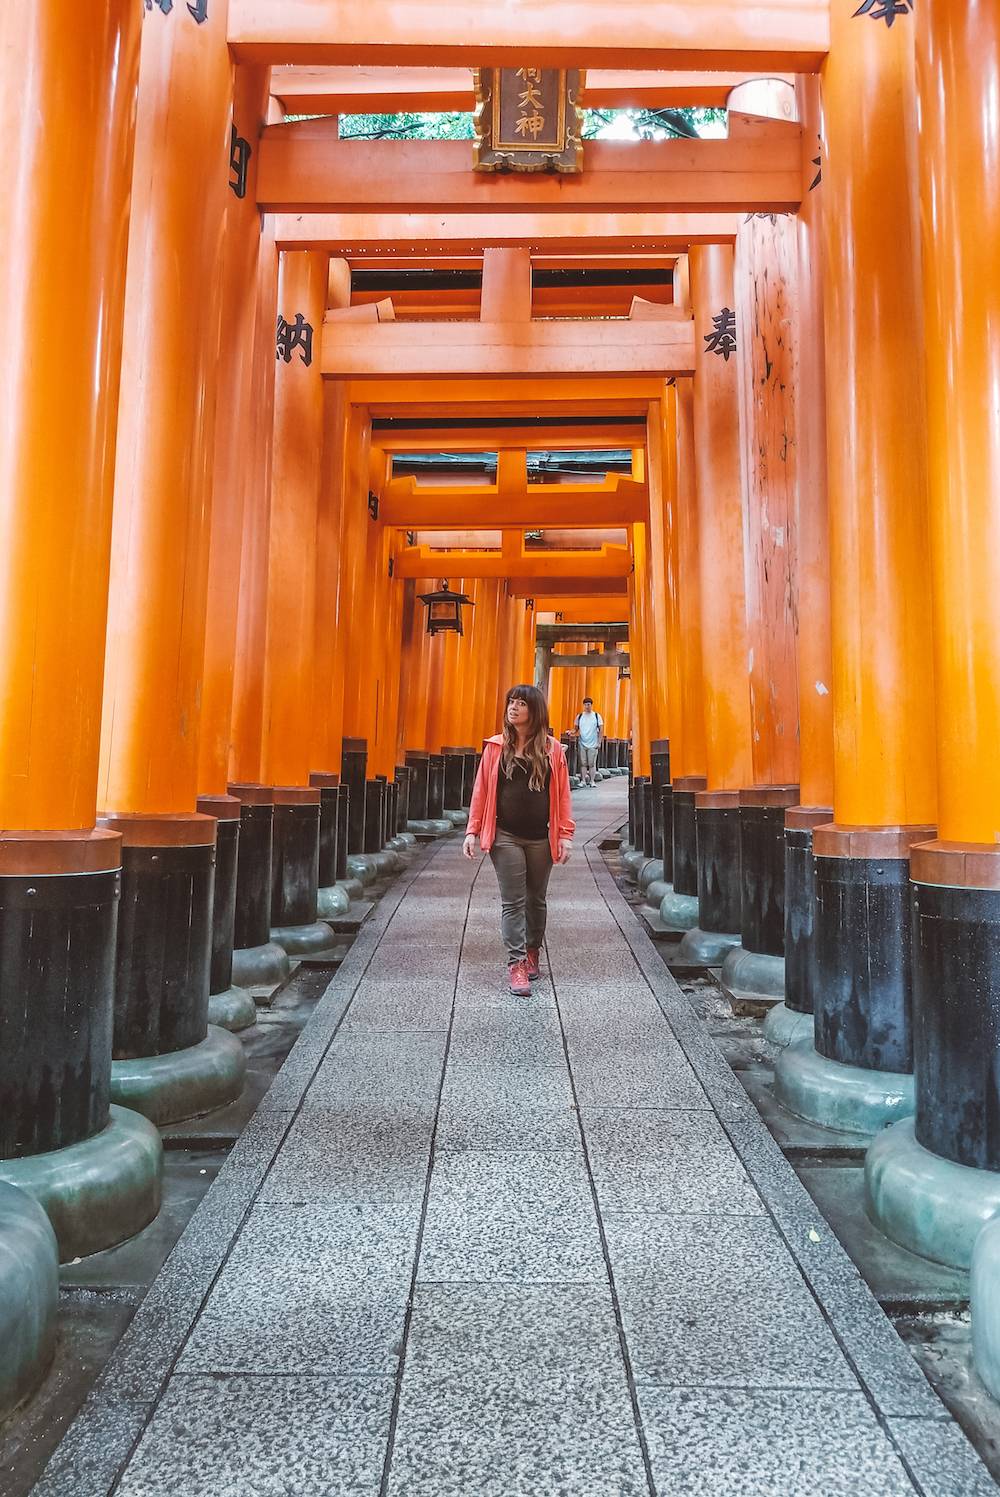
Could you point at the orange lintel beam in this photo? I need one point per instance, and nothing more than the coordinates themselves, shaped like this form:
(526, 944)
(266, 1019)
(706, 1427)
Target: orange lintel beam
(423, 235)
(614, 502)
(596, 611)
(573, 347)
(304, 167)
(608, 564)
(789, 35)
(486, 438)
(491, 396)
(567, 587)
(373, 90)
(546, 301)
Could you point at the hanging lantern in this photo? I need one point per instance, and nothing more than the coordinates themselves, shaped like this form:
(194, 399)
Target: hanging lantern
(625, 672)
(444, 610)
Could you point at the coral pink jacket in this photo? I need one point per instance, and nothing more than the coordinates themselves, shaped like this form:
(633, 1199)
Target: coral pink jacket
(483, 811)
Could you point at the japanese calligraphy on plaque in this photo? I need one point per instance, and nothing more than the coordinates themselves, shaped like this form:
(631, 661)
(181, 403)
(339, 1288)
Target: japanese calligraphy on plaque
(528, 120)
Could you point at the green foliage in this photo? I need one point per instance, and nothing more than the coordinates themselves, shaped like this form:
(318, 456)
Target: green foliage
(617, 124)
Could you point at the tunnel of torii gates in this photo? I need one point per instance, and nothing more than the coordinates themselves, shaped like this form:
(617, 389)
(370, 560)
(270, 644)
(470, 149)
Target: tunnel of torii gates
(220, 705)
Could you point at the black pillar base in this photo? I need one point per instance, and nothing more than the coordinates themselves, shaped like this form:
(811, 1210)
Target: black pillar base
(252, 913)
(717, 817)
(956, 1003)
(800, 906)
(435, 787)
(227, 810)
(762, 866)
(863, 947)
(419, 764)
(57, 958)
(353, 774)
(374, 815)
(685, 848)
(295, 861)
(343, 829)
(164, 947)
(328, 786)
(659, 761)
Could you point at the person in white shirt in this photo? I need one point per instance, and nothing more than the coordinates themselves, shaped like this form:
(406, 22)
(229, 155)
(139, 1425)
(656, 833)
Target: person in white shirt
(589, 732)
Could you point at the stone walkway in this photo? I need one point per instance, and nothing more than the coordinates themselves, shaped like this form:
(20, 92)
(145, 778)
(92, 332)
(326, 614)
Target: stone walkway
(479, 1245)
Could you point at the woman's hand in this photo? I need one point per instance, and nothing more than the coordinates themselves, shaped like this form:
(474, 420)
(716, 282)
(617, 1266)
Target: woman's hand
(565, 851)
(469, 845)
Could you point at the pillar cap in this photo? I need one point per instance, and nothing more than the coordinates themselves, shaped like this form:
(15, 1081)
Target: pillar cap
(325, 781)
(689, 784)
(805, 818)
(25, 853)
(963, 865)
(660, 746)
(354, 745)
(834, 841)
(170, 829)
(717, 800)
(296, 795)
(222, 807)
(250, 794)
(770, 795)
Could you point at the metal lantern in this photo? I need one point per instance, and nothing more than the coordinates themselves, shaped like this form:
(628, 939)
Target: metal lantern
(444, 610)
(625, 672)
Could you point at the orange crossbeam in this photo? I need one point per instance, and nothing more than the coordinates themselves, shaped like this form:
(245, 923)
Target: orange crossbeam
(611, 563)
(566, 587)
(546, 301)
(428, 236)
(487, 397)
(488, 438)
(423, 350)
(791, 36)
(615, 502)
(304, 167)
(354, 90)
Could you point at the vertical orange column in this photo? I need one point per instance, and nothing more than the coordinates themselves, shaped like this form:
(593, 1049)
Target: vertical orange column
(295, 478)
(643, 667)
(661, 451)
(689, 672)
(231, 477)
(719, 481)
(883, 692)
(354, 602)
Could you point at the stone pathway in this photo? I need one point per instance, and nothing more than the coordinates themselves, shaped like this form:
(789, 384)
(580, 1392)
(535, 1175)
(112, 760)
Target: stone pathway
(494, 1247)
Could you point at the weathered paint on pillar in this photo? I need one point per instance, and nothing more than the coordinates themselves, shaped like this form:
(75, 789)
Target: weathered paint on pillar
(69, 80)
(235, 418)
(883, 689)
(170, 366)
(767, 313)
(720, 521)
(295, 479)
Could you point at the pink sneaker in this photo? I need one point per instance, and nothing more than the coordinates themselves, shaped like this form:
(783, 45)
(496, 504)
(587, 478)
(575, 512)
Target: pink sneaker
(534, 960)
(520, 984)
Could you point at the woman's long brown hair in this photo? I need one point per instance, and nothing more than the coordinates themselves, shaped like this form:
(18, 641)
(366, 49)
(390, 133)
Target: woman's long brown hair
(536, 750)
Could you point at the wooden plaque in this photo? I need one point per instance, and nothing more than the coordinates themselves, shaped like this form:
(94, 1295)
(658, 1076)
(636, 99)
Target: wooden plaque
(528, 120)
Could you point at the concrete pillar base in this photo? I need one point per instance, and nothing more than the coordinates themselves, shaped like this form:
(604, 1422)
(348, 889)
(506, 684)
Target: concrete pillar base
(656, 892)
(679, 911)
(399, 844)
(100, 1191)
(352, 887)
(753, 977)
(304, 940)
(332, 902)
(260, 966)
(704, 948)
(457, 818)
(651, 873)
(635, 860)
(927, 1204)
(233, 1010)
(985, 1303)
(183, 1083)
(851, 1099)
(406, 838)
(29, 1296)
(362, 865)
(387, 862)
(784, 1025)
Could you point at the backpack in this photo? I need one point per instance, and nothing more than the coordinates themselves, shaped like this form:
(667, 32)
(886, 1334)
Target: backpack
(600, 722)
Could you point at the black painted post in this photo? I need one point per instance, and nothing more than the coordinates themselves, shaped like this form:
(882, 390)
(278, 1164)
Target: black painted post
(800, 906)
(762, 860)
(227, 811)
(717, 817)
(374, 812)
(252, 916)
(647, 818)
(685, 877)
(659, 760)
(419, 764)
(454, 778)
(328, 786)
(354, 773)
(343, 829)
(435, 787)
(404, 779)
(295, 859)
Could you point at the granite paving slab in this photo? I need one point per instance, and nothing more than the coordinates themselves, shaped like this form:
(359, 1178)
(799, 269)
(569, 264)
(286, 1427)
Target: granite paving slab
(503, 1106)
(670, 1160)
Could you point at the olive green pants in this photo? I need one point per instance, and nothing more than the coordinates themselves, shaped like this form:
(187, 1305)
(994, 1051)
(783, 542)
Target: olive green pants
(523, 870)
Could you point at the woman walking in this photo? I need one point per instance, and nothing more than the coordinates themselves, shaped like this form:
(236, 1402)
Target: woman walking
(521, 814)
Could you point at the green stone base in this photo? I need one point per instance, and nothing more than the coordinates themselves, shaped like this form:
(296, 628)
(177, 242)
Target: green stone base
(332, 902)
(184, 1083)
(388, 862)
(679, 911)
(233, 1010)
(783, 1026)
(407, 838)
(99, 1192)
(985, 1302)
(925, 1203)
(651, 873)
(29, 1296)
(704, 948)
(575, 782)
(457, 818)
(362, 865)
(260, 966)
(656, 893)
(304, 940)
(752, 978)
(397, 844)
(850, 1099)
(634, 861)
(352, 887)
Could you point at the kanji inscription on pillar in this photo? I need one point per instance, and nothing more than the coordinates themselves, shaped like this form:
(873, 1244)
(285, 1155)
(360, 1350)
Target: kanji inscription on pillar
(528, 120)
(884, 10)
(239, 162)
(294, 335)
(722, 339)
